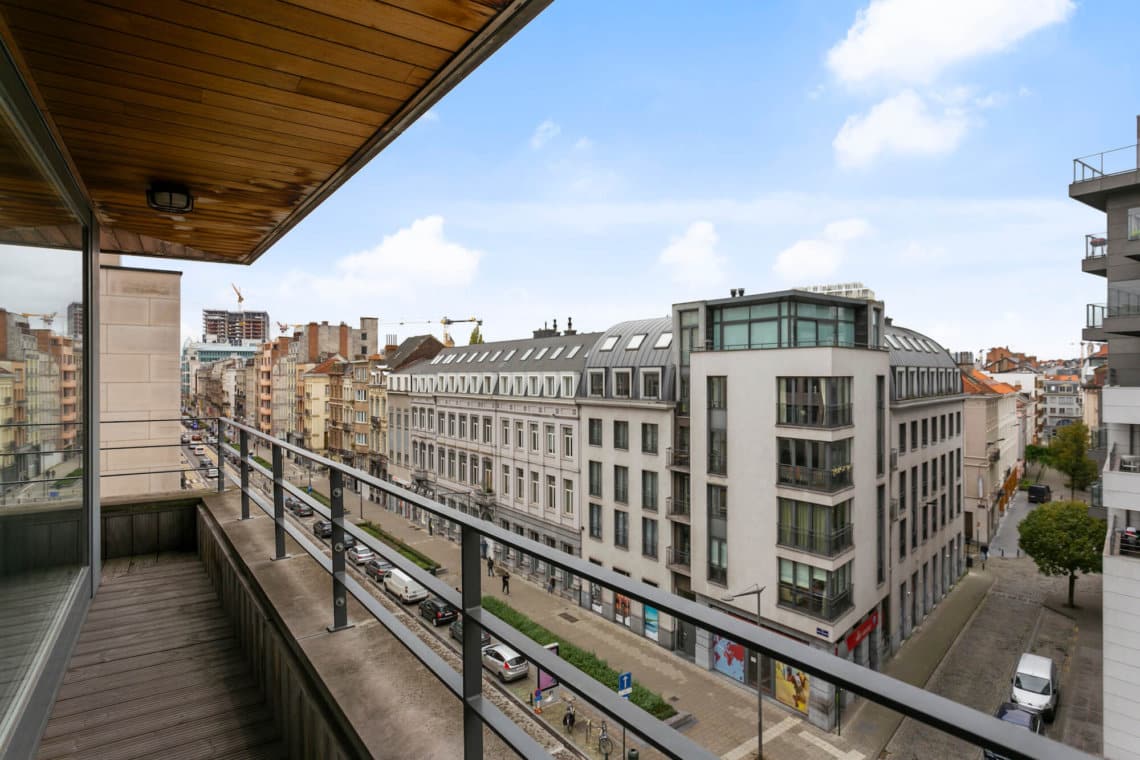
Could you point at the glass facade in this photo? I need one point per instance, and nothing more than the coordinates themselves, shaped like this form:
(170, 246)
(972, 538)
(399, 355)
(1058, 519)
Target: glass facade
(781, 324)
(813, 401)
(821, 465)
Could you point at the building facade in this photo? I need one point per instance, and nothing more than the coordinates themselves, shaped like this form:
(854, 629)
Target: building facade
(991, 464)
(1063, 402)
(234, 327)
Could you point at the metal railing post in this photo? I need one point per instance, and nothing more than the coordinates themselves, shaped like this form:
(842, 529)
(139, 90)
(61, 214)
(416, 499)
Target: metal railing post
(243, 471)
(340, 594)
(278, 506)
(219, 442)
(471, 566)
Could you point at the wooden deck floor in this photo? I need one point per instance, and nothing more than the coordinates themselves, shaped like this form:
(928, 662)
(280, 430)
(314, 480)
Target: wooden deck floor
(157, 673)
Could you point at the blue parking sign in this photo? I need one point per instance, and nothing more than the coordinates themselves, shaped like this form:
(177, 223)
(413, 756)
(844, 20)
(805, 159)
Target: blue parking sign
(625, 684)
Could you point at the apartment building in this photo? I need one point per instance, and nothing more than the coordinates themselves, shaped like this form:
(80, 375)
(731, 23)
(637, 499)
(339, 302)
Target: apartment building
(316, 386)
(634, 525)
(926, 539)
(492, 429)
(196, 355)
(1063, 402)
(1110, 183)
(234, 327)
(991, 453)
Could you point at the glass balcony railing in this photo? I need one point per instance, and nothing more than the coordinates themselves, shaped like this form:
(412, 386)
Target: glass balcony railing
(813, 415)
(833, 479)
(677, 506)
(827, 544)
(1094, 315)
(815, 604)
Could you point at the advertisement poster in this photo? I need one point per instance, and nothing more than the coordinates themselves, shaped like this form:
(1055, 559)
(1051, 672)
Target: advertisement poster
(792, 687)
(596, 598)
(728, 657)
(650, 623)
(621, 609)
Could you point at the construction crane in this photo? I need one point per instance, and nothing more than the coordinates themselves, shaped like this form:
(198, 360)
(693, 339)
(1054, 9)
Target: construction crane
(46, 318)
(447, 340)
(241, 314)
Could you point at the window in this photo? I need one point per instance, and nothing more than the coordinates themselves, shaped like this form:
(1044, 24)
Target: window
(597, 382)
(451, 464)
(557, 350)
(813, 401)
(510, 353)
(649, 537)
(519, 439)
(718, 425)
(595, 431)
(567, 386)
(474, 428)
(462, 468)
(475, 470)
(621, 529)
(664, 340)
(815, 528)
(506, 433)
(567, 441)
(487, 430)
(463, 426)
(506, 480)
(621, 484)
(609, 343)
(1134, 224)
(924, 432)
(595, 478)
(551, 492)
(622, 383)
(519, 492)
(880, 424)
(649, 438)
(815, 591)
(534, 436)
(595, 521)
(541, 353)
(821, 465)
(880, 535)
(526, 354)
(649, 490)
(621, 435)
(551, 442)
(913, 435)
(533, 487)
(902, 437)
(567, 496)
(651, 383)
(635, 341)
(573, 352)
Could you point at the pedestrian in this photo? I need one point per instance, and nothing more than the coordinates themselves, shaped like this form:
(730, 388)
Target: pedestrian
(506, 583)
(490, 567)
(550, 585)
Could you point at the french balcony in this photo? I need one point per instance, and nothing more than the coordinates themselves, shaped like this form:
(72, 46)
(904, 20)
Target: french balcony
(825, 544)
(677, 508)
(1096, 255)
(718, 463)
(830, 480)
(678, 560)
(677, 458)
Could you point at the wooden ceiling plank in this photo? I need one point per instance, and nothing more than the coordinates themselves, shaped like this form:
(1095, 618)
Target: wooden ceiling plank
(193, 42)
(413, 26)
(467, 15)
(185, 15)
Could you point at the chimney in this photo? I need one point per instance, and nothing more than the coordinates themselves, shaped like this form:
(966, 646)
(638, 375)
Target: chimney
(555, 323)
(570, 327)
(964, 360)
(390, 345)
(545, 332)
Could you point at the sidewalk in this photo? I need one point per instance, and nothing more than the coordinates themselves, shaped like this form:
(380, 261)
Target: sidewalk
(871, 726)
(724, 713)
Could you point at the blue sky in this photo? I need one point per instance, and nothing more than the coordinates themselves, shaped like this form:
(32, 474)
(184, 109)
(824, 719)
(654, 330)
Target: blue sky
(614, 158)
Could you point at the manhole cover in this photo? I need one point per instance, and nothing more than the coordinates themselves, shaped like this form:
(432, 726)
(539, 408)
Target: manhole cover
(567, 617)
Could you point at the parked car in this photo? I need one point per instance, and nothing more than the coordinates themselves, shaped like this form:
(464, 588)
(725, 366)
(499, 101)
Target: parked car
(401, 586)
(1019, 716)
(205, 461)
(1040, 493)
(455, 630)
(505, 662)
(437, 612)
(301, 509)
(212, 473)
(358, 554)
(186, 438)
(322, 529)
(378, 569)
(1036, 685)
(199, 449)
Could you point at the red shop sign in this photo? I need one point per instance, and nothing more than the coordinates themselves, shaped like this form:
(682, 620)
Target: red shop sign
(862, 630)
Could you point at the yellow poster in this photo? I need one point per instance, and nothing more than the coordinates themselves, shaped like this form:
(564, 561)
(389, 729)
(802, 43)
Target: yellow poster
(792, 687)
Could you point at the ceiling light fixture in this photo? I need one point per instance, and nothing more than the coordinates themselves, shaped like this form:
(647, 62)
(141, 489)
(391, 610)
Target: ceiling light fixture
(170, 197)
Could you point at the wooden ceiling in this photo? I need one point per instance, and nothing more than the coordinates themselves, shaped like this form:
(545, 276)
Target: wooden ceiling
(261, 107)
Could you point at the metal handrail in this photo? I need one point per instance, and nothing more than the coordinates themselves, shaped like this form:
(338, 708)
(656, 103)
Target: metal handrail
(1093, 166)
(1096, 246)
(911, 701)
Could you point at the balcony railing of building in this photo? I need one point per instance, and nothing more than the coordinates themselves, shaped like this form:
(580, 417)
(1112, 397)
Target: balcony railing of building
(816, 604)
(1096, 495)
(809, 413)
(718, 463)
(1105, 163)
(677, 457)
(677, 506)
(1094, 315)
(1123, 462)
(833, 479)
(1096, 246)
(827, 544)
(677, 556)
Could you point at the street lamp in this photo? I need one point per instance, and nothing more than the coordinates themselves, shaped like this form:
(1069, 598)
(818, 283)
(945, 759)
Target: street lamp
(756, 589)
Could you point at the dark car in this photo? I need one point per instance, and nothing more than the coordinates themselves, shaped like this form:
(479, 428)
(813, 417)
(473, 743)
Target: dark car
(322, 529)
(1019, 716)
(455, 630)
(437, 612)
(298, 507)
(378, 569)
(1039, 493)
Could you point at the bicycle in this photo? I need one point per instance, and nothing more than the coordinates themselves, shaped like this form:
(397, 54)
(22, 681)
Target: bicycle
(605, 743)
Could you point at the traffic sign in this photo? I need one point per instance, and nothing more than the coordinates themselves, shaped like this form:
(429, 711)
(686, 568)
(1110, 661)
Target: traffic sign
(625, 684)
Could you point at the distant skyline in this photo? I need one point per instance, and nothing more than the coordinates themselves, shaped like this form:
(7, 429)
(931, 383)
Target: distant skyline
(607, 163)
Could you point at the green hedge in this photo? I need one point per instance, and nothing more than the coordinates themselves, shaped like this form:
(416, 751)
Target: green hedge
(421, 559)
(587, 662)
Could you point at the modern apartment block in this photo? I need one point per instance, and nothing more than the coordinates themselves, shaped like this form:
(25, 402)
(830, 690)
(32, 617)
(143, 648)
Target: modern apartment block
(1110, 182)
(234, 327)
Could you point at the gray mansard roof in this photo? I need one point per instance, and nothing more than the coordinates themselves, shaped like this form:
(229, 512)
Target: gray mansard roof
(913, 349)
(652, 350)
(507, 356)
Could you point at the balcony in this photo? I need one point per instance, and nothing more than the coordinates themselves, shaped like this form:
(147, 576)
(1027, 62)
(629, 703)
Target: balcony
(816, 605)
(810, 413)
(677, 508)
(718, 463)
(830, 480)
(678, 458)
(1097, 176)
(1096, 255)
(1094, 323)
(815, 542)
(677, 560)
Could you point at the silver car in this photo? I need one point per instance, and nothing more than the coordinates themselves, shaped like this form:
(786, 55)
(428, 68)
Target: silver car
(359, 554)
(505, 662)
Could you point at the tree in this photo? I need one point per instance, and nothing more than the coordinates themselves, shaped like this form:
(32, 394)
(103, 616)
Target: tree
(1038, 455)
(1063, 539)
(1068, 453)
(476, 336)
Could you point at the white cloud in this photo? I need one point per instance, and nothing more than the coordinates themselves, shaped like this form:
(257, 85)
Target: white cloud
(544, 133)
(900, 125)
(692, 259)
(821, 257)
(583, 143)
(914, 41)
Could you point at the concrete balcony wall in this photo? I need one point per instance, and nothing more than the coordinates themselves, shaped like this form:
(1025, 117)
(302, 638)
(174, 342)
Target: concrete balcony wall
(1121, 489)
(1120, 405)
(1121, 657)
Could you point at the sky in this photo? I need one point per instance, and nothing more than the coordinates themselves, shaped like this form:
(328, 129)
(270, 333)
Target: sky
(615, 158)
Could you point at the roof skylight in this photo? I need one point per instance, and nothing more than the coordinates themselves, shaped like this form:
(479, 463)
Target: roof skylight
(541, 353)
(495, 356)
(526, 355)
(635, 341)
(609, 343)
(664, 340)
(557, 350)
(571, 353)
(510, 353)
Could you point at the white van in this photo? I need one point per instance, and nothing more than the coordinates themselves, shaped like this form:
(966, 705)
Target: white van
(1036, 685)
(404, 588)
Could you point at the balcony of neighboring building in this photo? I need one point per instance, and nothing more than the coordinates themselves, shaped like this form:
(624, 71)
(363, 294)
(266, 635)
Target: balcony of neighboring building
(1098, 176)
(679, 560)
(677, 458)
(1094, 323)
(1120, 478)
(678, 509)
(1096, 254)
